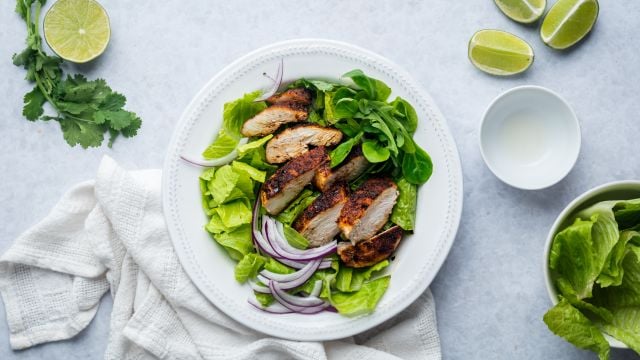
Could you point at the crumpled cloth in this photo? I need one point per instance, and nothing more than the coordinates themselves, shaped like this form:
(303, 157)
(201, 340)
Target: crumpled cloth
(110, 235)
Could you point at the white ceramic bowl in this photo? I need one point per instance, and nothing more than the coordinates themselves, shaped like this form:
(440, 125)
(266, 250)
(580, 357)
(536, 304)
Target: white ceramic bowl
(530, 137)
(618, 190)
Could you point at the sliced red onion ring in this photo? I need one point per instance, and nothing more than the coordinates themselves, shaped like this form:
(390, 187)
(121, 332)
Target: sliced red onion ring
(317, 287)
(277, 81)
(273, 308)
(282, 248)
(304, 274)
(292, 302)
(217, 161)
(259, 288)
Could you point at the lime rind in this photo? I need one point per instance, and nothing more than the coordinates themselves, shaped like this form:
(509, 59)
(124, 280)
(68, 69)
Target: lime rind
(500, 53)
(522, 11)
(568, 22)
(77, 30)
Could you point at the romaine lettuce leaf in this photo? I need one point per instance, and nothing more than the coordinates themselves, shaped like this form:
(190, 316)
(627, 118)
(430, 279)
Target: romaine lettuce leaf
(404, 212)
(248, 267)
(253, 145)
(294, 238)
(237, 243)
(349, 279)
(234, 214)
(221, 146)
(277, 267)
(250, 172)
(627, 294)
(236, 112)
(627, 213)
(626, 326)
(568, 322)
(361, 301)
(613, 272)
(296, 207)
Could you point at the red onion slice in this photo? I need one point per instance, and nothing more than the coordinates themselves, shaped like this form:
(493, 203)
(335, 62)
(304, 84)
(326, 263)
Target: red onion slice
(292, 302)
(299, 276)
(317, 287)
(273, 308)
(217, 161)
(259, 288)
(277, 81)
(281, 246)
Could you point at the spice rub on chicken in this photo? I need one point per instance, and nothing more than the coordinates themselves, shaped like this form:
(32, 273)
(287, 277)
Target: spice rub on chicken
(368, 209)
(318, 222)
(289, 180)
(371, 251)
(353, 166)
(300, 96)
(295, 141)
(270, 119)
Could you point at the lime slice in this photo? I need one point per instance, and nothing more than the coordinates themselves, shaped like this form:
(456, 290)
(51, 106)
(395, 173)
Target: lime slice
(499, 53)
(568, 22)
(522, 11)
(77, 30)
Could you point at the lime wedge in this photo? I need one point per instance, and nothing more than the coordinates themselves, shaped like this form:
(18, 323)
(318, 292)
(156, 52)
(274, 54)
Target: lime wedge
(77, 30)
(522, 11)
(568, 22)
(499, 53)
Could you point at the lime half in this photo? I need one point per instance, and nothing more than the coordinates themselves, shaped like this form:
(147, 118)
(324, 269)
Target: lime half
(77, 30)
(499, 53)
(568, 22)
(522, 11)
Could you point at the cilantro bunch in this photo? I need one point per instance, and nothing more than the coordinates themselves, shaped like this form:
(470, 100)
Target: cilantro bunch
(86, 110)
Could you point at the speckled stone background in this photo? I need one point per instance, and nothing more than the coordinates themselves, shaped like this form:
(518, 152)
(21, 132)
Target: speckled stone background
(490, 292)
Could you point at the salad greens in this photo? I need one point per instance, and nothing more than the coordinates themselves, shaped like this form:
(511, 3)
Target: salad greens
(385, 129)
(595, 266)
(365, 116)
(85, 110)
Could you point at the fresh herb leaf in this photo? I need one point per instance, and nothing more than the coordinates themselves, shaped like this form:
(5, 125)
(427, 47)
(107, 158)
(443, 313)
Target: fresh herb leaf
(86, 110)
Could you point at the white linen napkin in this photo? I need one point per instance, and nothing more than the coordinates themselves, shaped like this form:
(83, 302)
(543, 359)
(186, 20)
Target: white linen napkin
(110, 234)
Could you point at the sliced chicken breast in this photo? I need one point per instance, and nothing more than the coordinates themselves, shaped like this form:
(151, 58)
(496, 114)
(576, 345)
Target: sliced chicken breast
(371, 251)
(368, 209)
(318, 223)
(270, 119)
(297, 95)
(295, 141)
(289, 180)
(353, 166)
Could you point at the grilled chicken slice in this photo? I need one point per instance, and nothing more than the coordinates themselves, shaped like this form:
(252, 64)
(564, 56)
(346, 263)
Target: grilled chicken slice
(295, 141)
(298, 96)
(318, 223)
(270, 119)
(353, 166)
(368, 209)
(371, 251)
(289, 180)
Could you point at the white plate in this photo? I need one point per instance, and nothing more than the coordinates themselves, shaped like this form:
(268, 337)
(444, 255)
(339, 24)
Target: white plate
(419, 256)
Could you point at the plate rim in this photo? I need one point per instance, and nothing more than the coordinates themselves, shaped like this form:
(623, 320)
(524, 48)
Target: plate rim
(455, 179)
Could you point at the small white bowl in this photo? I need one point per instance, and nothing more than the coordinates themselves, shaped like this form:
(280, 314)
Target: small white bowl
(530, 137)
(617, 190)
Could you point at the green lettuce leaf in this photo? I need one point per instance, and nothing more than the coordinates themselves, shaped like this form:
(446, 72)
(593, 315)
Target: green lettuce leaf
(248, 267)
(627, 294)
(404, 212)
(253, 145)
(234, 214)
(221, 146)
(277, 267)
(362, 301)
(294, 238)
(374, 88)
(627, 214)
(568, 322)
(613, 272)
(264, 299)
(349, 279)
(250, 171)
(626, 327)
(409, 116)
(296, 207)
(235, 113)
(237, 242)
